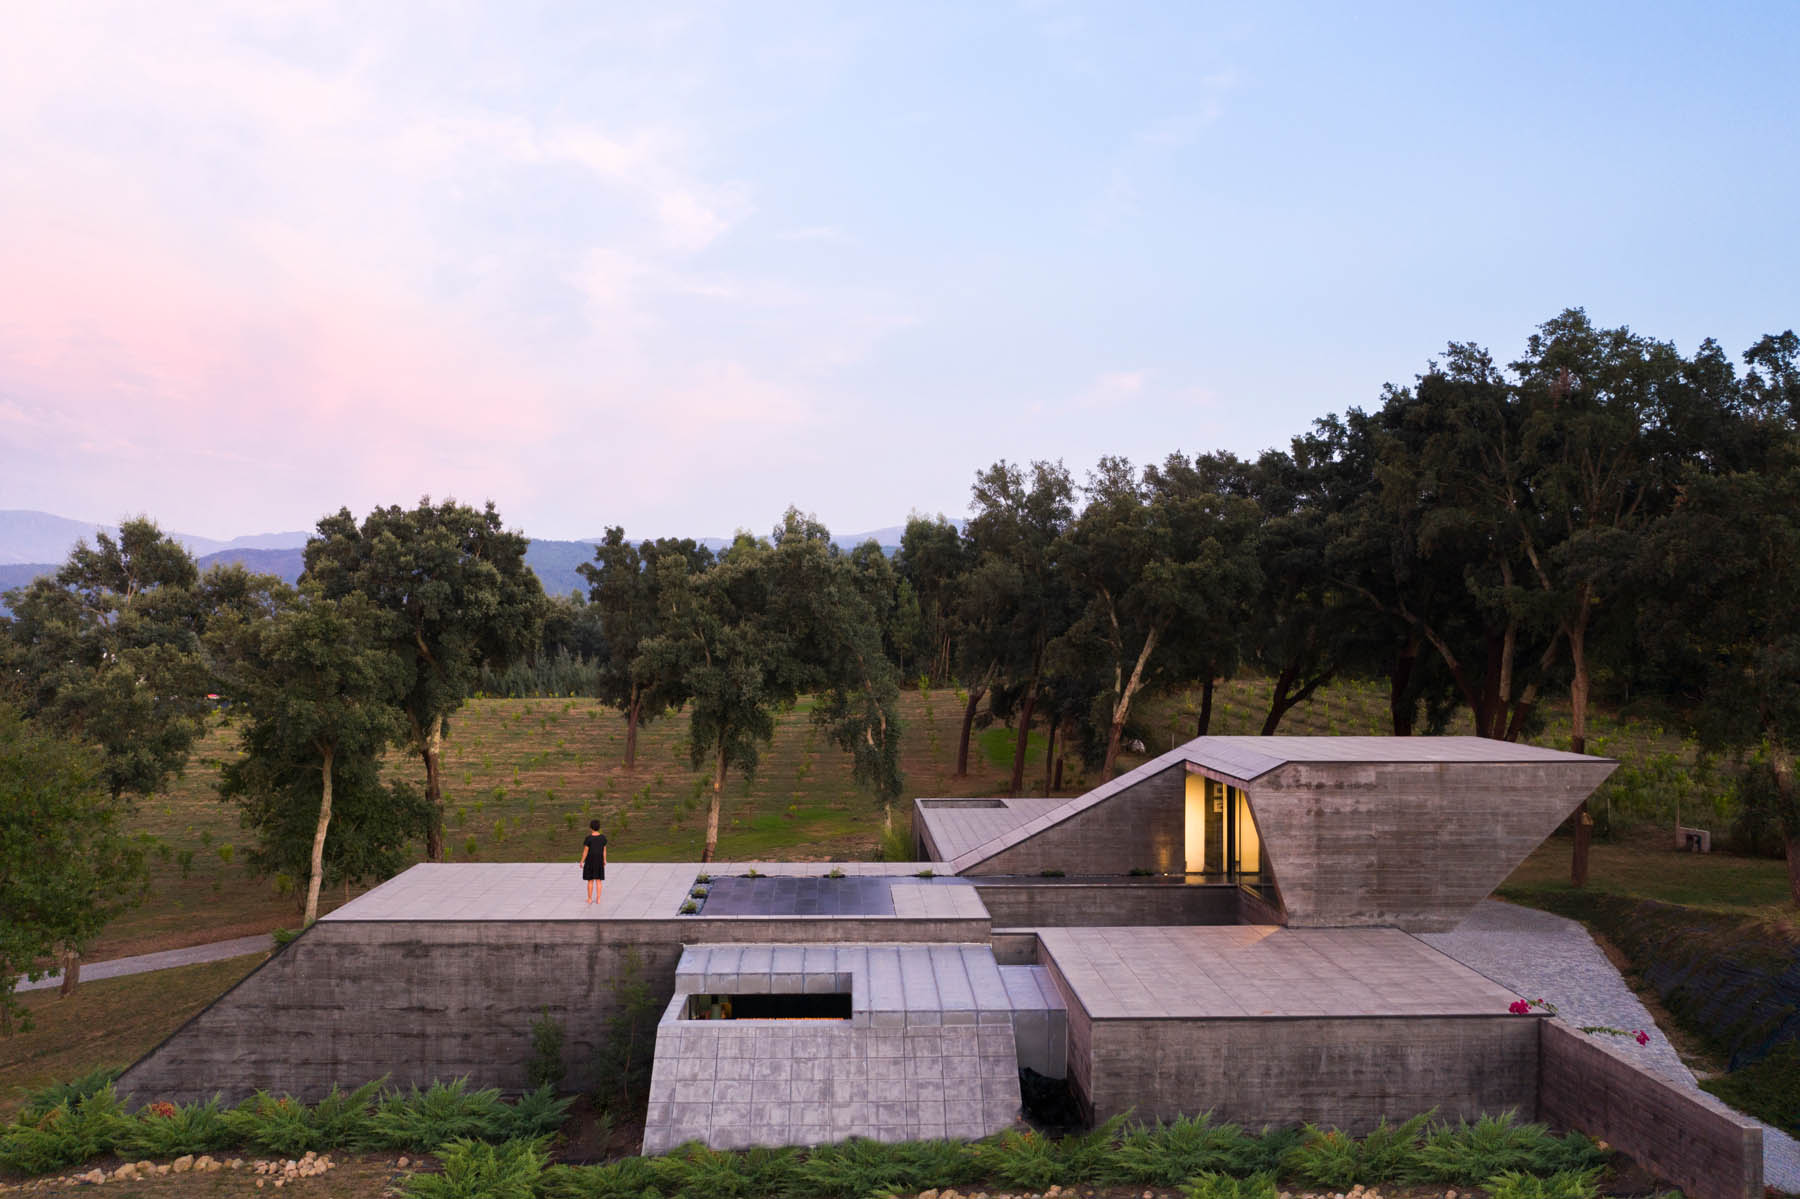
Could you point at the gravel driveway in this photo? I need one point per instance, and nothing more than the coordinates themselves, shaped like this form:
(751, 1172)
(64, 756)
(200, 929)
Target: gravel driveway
(1542, 956)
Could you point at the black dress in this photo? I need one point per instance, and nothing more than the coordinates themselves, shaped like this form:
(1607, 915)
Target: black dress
(595, 866)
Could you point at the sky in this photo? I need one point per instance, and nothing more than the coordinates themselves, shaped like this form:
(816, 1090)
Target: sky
(679, 266)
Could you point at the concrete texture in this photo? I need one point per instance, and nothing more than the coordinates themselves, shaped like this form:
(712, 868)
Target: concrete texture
(1686, 1137)
(1245, 971)
(929, 1050)
(1346, 1072)
(1138, 826)
(736, 1083)
(424, 999)
(1407, 832)
(946, 828)
(1413, 845)
(1048, 903)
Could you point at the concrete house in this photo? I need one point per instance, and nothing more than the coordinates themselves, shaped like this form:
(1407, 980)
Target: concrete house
(1228, 927)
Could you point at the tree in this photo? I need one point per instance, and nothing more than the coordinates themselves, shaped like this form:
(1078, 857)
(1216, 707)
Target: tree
(1724, 614)
(771, 621)
(66, 864)
(1157, 566)
(625, 583)
(1014, 531)
(455, 593)
(322, 691)
(932, 559)
(106, 651)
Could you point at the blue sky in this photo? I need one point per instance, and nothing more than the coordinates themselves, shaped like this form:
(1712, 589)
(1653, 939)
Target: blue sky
(677, 269)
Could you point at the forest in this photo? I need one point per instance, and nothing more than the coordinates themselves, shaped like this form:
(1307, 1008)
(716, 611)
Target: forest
(1602, 520)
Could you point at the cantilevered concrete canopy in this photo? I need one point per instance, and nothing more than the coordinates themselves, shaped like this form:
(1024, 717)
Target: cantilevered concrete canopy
(1409, 832)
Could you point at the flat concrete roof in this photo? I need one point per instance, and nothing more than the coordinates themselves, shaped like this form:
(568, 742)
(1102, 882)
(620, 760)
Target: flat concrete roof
(633, 891)
(1247, 971)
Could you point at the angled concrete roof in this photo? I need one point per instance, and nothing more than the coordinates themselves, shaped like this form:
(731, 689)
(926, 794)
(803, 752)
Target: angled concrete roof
(955, 826)
(1247, 759)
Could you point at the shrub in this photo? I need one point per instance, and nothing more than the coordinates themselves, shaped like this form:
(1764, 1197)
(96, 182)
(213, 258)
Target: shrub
(286, 1126)
(1564, 1184)
(67, 1133)
(165, 1130)
(1169, 1154)
(1033, 1161)
(1328, 1157)
(627, 1178)
(545, 1066)
(478, 1170)
(694, 1171)
(1473, 1153)
(536, 1115)
(443, 1112)
(860, 1168)
(38, 1103)
(1225, 1186)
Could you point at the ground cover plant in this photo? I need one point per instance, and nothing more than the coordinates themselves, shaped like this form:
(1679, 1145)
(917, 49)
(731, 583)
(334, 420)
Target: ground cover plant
(488, 1146)
(64, 1126)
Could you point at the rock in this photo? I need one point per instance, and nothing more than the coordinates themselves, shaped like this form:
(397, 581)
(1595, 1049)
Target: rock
(280, 1182)
(125, 1173)
(182, 1164)
(405, 1161)
(259, 1184)
(94, 1177)
(162, 1169)
(205, 1162)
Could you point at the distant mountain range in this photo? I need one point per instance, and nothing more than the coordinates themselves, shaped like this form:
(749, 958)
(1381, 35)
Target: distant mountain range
(36, 543)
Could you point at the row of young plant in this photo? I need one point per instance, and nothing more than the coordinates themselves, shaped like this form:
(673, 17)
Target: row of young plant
(1204, 1159)
(66, 1125)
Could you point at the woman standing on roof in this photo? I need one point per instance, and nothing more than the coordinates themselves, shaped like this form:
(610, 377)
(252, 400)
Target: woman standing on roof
(593, 861)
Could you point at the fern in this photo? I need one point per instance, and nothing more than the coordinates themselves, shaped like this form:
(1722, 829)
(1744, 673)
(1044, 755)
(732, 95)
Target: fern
(164, 1130)
(443, 1112)
(478, 1170)
(1225, 1186)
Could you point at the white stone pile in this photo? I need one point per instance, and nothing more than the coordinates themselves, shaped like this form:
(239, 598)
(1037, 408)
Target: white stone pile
(278, 1172)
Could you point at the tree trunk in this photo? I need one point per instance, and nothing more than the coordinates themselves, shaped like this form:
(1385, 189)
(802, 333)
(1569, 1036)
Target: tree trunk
(71, 969)
(1402, 707)
(1281, 702)
(317, 861)
(1056, 784)
(1204, 721)
(712, 809)
(432, 752)
(968, 725)
(633, 713)
(1050, 758)
(1578, 681)
(1018, 770)
(1122, 709)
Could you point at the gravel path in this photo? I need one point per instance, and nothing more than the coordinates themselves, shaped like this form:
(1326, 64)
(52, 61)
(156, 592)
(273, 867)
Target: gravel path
(216, 951)
(1541, 956)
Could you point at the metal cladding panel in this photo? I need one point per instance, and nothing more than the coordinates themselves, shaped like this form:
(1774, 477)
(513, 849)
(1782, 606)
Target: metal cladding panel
(1414, 844)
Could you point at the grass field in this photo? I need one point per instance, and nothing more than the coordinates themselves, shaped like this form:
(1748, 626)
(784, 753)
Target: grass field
(112, 1022)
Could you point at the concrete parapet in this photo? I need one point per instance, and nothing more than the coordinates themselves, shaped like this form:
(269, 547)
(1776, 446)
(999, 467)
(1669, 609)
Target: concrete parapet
(1690, 1139)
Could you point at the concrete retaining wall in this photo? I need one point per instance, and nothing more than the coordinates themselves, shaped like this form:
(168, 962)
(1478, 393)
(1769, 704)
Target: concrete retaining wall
(353, 1000)
(1044, 903)
(1690, 1139)
(1347, 1072)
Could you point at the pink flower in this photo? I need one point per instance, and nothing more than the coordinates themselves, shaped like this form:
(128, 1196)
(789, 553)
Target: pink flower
(1643, 1038)
(1519, 1007)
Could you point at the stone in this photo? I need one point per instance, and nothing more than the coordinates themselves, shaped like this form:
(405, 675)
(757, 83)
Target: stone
(182, 1164)
(931, 1194)
(407, 1161)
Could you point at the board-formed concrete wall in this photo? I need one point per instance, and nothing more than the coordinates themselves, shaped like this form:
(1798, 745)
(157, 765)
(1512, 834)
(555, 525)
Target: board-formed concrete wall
(1047, 903)
(353, 1000)
(1414, 845)
(1140, 828)
(1691, 1140)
